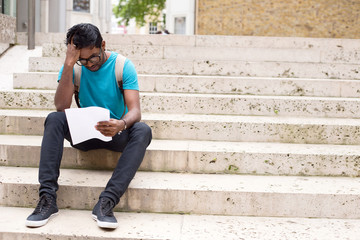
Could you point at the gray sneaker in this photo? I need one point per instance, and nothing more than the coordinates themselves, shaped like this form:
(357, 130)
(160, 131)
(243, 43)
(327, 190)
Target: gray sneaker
(45, 209)
(103, 213)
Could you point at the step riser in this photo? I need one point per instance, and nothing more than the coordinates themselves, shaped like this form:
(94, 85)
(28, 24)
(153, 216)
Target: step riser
(224, 68)
(220, 85)
(256, 132)
(200, 104)
(197, 161)
(337, 55)
(35, 80)
(251, 106)
(194, 202)
(213, 131)
(277, 69)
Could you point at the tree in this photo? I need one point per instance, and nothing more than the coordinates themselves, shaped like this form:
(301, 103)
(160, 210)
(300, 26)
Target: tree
(139, 9)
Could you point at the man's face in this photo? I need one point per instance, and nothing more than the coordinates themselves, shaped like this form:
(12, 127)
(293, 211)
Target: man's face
(91, 58)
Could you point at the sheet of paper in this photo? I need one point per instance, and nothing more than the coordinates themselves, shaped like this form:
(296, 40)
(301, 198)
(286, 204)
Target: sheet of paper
(82, 123)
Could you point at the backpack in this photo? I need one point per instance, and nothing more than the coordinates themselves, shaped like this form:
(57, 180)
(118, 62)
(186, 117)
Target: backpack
(119, 66)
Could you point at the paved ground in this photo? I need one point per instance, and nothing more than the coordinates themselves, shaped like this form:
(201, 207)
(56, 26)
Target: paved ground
(15, 59)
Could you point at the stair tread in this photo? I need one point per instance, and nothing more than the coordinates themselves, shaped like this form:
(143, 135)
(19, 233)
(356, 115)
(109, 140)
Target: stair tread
(174, 226)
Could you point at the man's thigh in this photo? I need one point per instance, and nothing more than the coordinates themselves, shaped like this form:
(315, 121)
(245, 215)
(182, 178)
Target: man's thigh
(117, 144)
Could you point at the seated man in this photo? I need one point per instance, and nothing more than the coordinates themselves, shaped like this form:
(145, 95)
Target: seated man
(86, 47)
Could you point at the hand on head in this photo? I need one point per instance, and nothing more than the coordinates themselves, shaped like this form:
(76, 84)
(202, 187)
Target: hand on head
(72, 53)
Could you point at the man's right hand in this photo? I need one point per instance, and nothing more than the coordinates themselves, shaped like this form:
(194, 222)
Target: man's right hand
(72, 54)
(65, 89)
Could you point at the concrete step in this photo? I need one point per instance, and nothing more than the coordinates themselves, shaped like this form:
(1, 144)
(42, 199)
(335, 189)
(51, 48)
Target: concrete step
(205, 41)
(150, 226)
(233, 195)
(138, 51)
(223, 68)
(15, 59)
(185, 103)
(215, 127)
(250, 105)
(216, 84)
(201, 157)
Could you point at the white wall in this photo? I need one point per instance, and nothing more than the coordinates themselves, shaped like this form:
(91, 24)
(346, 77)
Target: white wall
(179, 9)
(58, 15)
(100, 15)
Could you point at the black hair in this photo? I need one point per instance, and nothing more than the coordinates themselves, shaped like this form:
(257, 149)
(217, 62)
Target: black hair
(84, 35)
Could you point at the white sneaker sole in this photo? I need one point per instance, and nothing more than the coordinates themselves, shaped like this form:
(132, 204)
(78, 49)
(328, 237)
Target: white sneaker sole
(29, 223)
(105, 224)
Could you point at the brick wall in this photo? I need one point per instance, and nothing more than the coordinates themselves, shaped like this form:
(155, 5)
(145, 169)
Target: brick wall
(282, 18)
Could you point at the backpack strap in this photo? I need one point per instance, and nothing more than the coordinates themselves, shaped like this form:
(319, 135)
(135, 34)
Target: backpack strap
(77, 79)
(119, 66)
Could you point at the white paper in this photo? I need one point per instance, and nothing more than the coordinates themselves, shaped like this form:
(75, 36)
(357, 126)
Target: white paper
(82, 123)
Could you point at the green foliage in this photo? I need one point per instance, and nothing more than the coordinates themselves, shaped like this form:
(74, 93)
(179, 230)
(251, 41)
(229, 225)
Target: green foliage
(139, 9)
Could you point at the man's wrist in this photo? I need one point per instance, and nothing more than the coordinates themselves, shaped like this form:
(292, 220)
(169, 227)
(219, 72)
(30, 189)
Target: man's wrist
(124, 124)
(124, 128)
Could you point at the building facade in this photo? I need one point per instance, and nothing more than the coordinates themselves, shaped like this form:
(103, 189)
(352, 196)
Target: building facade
(180, 16)
(59, 15)
(291, 18)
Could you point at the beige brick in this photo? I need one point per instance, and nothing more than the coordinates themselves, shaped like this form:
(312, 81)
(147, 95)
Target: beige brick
(312, 18)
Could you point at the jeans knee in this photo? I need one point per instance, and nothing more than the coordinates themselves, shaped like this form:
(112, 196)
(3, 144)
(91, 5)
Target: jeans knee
(55, 118)
(143, 132)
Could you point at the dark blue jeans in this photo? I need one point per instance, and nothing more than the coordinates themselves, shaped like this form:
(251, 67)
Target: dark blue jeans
(132, 143)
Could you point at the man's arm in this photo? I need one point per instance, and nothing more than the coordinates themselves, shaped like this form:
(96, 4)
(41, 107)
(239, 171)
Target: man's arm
(112, 127)
(132, 99)
(65, 89)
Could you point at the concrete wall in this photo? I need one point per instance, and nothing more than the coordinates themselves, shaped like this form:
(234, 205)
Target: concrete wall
(7, 31)
(288, 18)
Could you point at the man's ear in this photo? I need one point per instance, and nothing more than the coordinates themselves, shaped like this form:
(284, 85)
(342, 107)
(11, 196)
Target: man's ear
(103, 45)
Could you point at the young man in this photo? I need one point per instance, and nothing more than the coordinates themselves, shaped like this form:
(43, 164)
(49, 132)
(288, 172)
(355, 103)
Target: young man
(86, 47)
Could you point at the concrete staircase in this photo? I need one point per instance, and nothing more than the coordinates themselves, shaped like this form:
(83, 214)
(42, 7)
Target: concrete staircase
(254, 138)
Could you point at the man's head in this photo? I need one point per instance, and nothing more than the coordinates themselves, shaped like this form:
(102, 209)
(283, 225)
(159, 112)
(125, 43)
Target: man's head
(87, 38)
(84, 35)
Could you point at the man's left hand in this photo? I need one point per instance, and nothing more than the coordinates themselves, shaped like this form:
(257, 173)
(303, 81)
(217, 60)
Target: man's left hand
(109, 128)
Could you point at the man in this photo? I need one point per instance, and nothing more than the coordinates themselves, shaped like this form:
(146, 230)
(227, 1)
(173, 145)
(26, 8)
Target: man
(86, 47)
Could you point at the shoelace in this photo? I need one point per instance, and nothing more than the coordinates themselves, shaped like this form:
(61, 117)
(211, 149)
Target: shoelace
(43, 200)
(106, 207)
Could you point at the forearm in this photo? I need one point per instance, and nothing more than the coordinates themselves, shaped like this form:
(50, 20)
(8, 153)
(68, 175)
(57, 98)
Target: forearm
(65, 89)
(133, 116)
(134, 111)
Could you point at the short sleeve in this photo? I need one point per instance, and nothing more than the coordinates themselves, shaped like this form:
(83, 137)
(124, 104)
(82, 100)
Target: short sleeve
(130, 79)
(61, 71)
